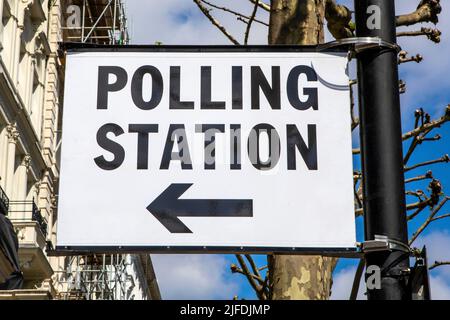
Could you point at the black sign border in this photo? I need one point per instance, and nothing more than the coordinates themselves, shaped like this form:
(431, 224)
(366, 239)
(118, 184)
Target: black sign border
(91, 47)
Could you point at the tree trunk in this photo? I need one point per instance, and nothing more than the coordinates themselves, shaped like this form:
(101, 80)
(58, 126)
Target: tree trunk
(298, 22)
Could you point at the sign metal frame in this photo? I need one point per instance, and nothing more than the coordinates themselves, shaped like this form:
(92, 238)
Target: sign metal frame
(347, 252)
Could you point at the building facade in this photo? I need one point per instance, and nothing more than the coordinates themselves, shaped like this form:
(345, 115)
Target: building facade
(31, 88)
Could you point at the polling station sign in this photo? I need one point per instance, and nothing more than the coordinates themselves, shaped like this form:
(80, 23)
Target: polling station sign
(200, 148)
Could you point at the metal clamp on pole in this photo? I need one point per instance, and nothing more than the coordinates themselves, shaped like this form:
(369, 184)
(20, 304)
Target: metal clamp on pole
(360, 44)
(383, 243)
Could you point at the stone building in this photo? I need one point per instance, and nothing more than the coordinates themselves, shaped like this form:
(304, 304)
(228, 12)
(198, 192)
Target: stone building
(31, 87)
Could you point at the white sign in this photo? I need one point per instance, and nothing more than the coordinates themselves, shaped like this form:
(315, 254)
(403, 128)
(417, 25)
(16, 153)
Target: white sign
(200, 148)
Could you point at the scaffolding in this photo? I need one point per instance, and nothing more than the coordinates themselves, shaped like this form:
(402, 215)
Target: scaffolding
(95, 277)
(95, 21)
(101, 276)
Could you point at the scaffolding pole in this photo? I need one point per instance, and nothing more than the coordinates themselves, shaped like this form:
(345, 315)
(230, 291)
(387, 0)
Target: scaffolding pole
(101, 22)
(94, 277)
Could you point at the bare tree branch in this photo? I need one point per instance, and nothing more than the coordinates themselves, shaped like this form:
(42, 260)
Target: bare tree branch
(253, 265)
(423, 118)
(445, 159)
(241, 17)
(357, 280)
(355, 120)
(402, 57)
(428, 175)
(249, 24)
(261, 4)
(215, 22)
(439, 264)
(427, 11)
(431, 125)
(401, 86)
(436, 191)
(447, 215)
(419, 193)
(256, 287)
(415, 213)
(411, 206)
(418, 140)
(428, 221)
(419, 205)
(235, 269)
(432, 34)
(357, 196)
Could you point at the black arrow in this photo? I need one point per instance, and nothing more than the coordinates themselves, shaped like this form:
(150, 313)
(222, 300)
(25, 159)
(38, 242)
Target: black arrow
(167, 207)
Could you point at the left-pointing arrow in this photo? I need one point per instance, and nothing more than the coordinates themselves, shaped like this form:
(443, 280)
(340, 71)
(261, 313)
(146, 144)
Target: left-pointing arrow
(167, 207)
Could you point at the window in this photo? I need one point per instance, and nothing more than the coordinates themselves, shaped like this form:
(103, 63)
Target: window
(36, 100)
(6, 27)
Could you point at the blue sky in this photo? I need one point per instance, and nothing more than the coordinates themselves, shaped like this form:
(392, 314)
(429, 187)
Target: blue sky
(428, 83)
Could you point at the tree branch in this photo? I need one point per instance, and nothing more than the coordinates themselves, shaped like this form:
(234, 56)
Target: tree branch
(243, 17)
(357, 280)
(438, 264)
(430, 125)
(445, 159)
(235, 269)
(436, 191)
(257, 287)
(262, 5)
(401, 86)
(415, 213)
(215, 22)
(423, 118)
(419, 205)
(419, 193)
(355, 192)
(253, 266)
(339, 19)
(402, 57)
(447, 215)
(355, 120)
(418, 140)
(428, 221)
(249, 24)
(428, 175)
(411, 206)
(432, 34)
(427, 11)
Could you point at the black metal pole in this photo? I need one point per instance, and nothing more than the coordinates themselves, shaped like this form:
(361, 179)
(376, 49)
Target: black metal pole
(381, 148)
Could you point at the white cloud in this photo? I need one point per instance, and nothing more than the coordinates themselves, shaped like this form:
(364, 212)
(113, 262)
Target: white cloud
(440, 288)
(194, 277)
(181, 22)
(342, 285)
(438, 245)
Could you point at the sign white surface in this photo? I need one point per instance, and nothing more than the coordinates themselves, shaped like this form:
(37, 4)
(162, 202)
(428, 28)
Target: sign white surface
(141, 195)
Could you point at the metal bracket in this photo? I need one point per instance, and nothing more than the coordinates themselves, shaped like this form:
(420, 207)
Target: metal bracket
(383, 243)
(360, 44)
